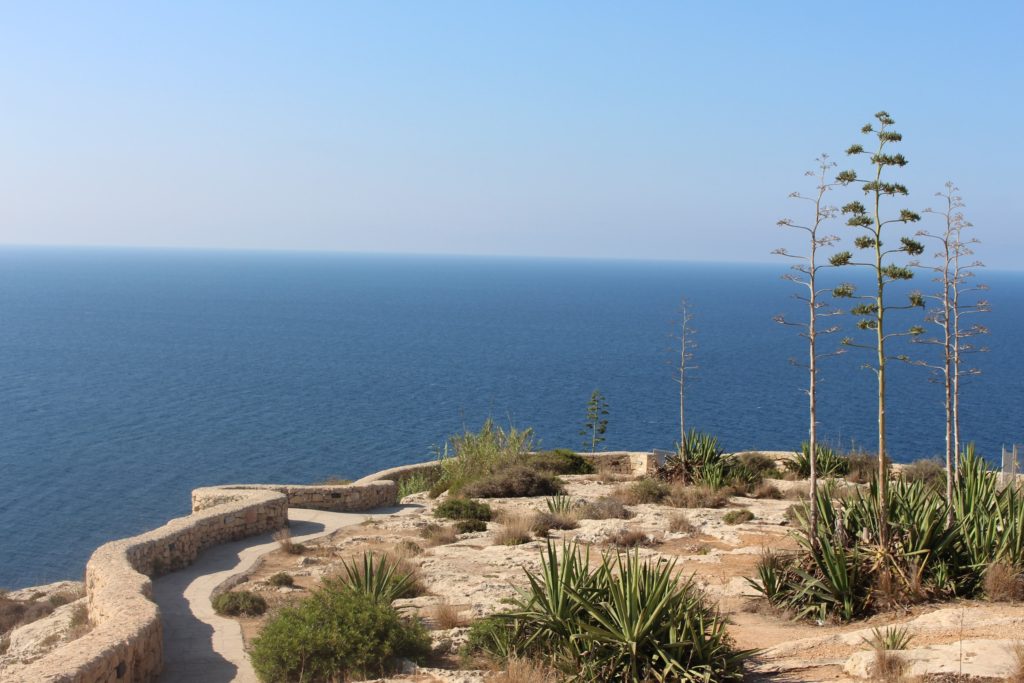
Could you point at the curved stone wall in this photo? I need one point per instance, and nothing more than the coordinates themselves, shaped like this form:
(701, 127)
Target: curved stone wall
(125, 643)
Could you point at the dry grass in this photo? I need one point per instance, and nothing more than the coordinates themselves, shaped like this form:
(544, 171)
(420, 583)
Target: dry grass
(696, 497)
(798, 492)
(630, 538)
(543, 522)
(642, 492)
(437, 534)
(446, 616)
(766, 490)
(1004, 582)
(284, 541)
(408, 548)
(680, 523)
(524, 671)
(1017, 672)
(889, 666)
(515, 529)
(603, 508)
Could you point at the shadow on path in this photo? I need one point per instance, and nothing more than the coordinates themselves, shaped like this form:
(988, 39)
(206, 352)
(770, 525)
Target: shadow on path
(201, 646)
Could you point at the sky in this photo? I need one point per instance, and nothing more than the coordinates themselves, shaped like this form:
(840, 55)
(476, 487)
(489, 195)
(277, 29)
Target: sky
(670, 130)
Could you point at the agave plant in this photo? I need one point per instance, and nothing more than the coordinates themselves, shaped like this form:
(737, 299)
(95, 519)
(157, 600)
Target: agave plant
(560, 504)
(383, 579)
(627, 620)
(829, 463)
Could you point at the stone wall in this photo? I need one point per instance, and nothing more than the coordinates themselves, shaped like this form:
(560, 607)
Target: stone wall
(334, 498)
(633, 463)
(125, 643)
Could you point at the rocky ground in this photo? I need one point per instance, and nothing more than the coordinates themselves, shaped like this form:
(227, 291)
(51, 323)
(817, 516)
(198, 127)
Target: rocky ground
(473, 576)
(35, 620)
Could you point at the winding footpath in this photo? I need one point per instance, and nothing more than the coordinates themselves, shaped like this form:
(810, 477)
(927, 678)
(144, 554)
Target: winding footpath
(199, 645)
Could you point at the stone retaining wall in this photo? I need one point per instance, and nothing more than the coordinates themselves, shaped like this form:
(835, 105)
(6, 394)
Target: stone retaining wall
(634, 463)
(334, 498)
(125, 643)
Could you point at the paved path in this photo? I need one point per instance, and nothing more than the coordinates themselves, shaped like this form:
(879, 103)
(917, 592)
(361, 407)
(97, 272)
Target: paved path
(199, 645)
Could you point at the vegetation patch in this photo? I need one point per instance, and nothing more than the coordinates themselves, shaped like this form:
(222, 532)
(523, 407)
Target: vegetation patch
(559, 461)
(281, 580)
(738, 516)
(336, 634)
(239, 604)
(518, 481)
(603, 508)
(463, 508)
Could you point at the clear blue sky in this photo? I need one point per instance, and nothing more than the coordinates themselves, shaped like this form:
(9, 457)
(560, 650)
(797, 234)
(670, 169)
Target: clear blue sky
(655, 129)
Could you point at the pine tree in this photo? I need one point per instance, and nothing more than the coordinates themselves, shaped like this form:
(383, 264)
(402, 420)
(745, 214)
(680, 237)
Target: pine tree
(874, 306)
(596, 423)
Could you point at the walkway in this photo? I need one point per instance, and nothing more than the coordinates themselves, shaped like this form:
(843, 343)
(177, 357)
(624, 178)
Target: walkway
(199, 645)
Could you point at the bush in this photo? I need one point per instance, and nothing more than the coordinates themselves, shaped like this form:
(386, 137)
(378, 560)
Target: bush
(336, 634)
(737, 516)
(517, 481)
(642, 492)
(17, 612)
(496, 637)
(415, 483)
(239, 604)
(759, 462)
(436, 534)
(587, 620)
(845, 571)
(470, 526)
(281, 579)
(931, 473)
(603, 508)
(463, 508)
(515, 530)
(696, 497)
(629, 538)
(477, 455)
(679, 523)
(543, 522)
(767, 491)
(560, 461)
(284, 541)
(1004, 582)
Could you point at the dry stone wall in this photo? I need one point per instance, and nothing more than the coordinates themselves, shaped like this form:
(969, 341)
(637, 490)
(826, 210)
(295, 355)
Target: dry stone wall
(125, 643)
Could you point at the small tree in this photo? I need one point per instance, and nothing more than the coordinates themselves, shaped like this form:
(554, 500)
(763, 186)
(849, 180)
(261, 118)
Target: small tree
(596, 424)
(806, 276)
(954, 275)
(874, 306)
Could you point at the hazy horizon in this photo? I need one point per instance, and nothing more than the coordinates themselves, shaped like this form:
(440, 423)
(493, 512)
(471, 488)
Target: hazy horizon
(580, 129)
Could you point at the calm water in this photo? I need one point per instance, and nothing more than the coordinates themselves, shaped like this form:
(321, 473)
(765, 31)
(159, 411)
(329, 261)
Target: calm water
(128, 377)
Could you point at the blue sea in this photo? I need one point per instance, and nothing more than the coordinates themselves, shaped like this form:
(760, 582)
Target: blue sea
(129, 377)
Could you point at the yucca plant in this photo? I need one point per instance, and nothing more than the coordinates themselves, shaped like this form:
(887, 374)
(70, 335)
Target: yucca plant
(889, 638)
(829, 462)
(627, 620)
(560, 504)
(383, 580)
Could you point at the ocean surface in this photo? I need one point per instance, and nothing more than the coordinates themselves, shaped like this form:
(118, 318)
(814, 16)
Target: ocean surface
(129, 377)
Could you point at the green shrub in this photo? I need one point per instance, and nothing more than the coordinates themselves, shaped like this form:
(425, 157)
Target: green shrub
(759, 462)
(517, 481)
(560, 461)
(470, 526)
(472, 455)
(625, 620)
(336, 634)
(642, 491)
(415, 483)
(281, 579)
(497, 637)
(463, 508)
(239, 604)
(737, 516)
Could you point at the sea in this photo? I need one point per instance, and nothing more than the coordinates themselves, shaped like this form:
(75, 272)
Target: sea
(128, 377)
